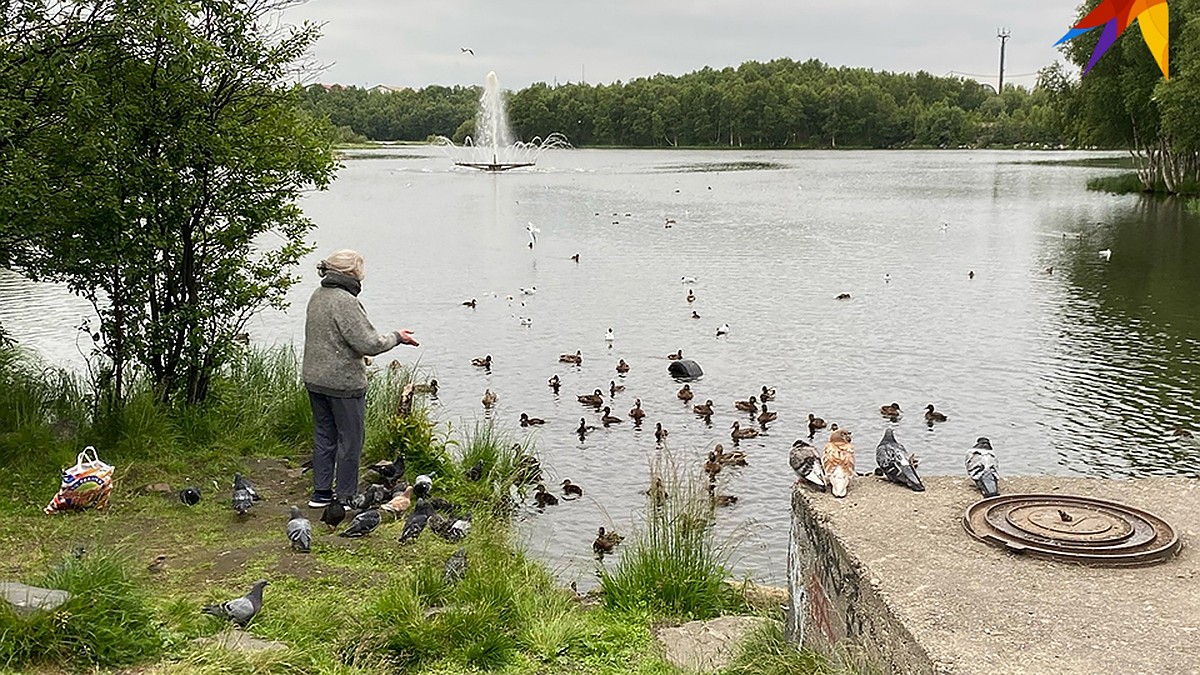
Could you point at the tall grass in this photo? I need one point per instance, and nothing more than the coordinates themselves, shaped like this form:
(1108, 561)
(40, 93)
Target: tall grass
(673, 565)
(107, 622)
(767, 652)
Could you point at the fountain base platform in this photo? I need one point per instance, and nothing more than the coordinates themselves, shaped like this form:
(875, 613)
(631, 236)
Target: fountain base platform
(493, 167)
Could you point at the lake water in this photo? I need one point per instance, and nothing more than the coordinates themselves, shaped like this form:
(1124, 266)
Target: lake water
(1085, 369)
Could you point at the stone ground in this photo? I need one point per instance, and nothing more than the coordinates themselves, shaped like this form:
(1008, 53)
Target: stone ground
(977, 609)
(707, 646)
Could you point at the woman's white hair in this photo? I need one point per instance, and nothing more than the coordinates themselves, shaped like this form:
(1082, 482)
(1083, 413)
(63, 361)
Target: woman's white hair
(345, 261)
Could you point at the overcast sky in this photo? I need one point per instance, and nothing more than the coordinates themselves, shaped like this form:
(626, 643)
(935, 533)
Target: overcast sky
(416, 43)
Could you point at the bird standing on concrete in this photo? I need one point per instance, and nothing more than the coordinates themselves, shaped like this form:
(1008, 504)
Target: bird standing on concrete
(982, 467)
(299, 531)
(838, 462)
(807, 465)
(896, 463)
(239, 610)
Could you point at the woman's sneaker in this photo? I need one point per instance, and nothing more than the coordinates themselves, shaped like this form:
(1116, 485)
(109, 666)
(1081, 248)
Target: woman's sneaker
(320, 499)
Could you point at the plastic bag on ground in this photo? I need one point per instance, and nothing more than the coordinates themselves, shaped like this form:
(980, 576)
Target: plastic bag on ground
(85, 485)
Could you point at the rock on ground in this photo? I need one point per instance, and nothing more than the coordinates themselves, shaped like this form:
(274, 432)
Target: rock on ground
(707, 646)
(241, 641)
(29, 599)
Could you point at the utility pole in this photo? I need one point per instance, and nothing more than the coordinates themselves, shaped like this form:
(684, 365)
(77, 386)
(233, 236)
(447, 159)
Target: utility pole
(1003, 34)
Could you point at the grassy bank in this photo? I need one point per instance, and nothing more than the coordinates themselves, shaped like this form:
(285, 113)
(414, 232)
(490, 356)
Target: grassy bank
(1129, 183)
(352, 605)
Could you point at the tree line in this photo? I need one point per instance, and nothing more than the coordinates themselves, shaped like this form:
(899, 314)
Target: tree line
(778, 104)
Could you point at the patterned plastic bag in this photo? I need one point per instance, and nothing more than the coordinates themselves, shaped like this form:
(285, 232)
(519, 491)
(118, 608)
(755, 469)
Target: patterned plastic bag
(85, 485)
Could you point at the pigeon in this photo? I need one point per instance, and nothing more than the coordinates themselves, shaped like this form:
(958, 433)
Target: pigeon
(190, 495)
(416, 522)
(459, 529)
(807, 465)
(299, 531)
(374, 496)
(239, 610)
(838, 462)
(456, 567)
(475, 472)
(400, 503)
(982, 467)
(895, 462)
(423, 484)
(390, 472)
(334, 514)
(363, 524)
(244, 495)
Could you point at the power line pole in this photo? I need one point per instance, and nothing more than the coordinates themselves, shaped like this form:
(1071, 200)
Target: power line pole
(1003, 34)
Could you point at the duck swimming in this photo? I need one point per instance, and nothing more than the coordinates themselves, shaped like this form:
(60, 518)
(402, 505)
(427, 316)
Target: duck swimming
(685, 394)
(767, 394)
(659, 432)
(896, 463)
(677, 356)
(606, 541)
(527, 421)
(750, 406)
(807, 465)
(489, 398)
(691, 297)
(470, 303)
(932, 415)
(485, 362)
(576, 358)
(614, 388)
(608, 418)
(891, 411)
(570, 490)
(735, 458)
(739, 433)
(595, 398)
(723, 329)
(430, 387)
(766, 415)
(584, 428)
(713, 466)
(720, 500)
(636, 413)
(554, 383)
(622, 367)
(982, 467)
(543, 498)
(695, 315)
(705, 409)
(814, 423)
(837, 460)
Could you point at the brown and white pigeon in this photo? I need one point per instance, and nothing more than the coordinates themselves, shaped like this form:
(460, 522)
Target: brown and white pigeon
(239, 610)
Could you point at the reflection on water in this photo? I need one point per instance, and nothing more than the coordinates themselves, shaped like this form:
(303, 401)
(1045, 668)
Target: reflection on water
(1083, 370)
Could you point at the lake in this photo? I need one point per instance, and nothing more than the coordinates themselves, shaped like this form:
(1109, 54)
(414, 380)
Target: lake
(1068, 362)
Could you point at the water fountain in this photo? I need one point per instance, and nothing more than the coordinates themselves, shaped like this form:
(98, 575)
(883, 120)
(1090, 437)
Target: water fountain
(493, 149)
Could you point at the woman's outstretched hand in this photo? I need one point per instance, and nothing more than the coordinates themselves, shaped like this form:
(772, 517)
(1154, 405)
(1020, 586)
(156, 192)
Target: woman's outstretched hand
(406, 338)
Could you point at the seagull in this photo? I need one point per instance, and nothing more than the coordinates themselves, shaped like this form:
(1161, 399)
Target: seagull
(466, 50)
(1106, 254)
(533, 233)
(723, 330)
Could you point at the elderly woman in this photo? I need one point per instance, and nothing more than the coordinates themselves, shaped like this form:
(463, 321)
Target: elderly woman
(337, 335)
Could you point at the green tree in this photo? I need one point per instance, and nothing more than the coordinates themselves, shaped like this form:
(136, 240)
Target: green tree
(162, 185)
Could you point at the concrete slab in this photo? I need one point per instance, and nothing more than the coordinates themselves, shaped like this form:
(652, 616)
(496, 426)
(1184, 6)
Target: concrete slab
(27, 600)
(707, 646)
(888, 580)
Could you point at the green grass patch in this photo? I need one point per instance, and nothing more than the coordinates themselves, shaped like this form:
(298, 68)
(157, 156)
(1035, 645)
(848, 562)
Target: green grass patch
(1130, 183)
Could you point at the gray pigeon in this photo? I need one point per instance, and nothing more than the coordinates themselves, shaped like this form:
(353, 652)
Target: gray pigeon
(456, 566)
(363, 524)
(244, 495)
(423, 484)
(333, 515)
(806, 463)
(374, 496)
(982, 467)
(239, 610)
(416, 521)
(299, 531)
(896, 464)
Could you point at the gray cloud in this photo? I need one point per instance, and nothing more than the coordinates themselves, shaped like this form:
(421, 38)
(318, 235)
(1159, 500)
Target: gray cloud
(368, 42)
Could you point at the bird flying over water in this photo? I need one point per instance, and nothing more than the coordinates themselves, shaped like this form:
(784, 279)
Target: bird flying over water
(1115, 16)
(466, 50)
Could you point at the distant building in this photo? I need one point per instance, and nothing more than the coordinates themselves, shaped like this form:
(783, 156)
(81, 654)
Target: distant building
(385, 89)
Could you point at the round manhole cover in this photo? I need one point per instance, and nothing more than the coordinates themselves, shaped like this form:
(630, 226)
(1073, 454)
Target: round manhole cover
(1077, 529)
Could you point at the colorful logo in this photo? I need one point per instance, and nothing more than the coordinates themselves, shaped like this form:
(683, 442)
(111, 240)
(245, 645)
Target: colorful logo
(1115, 16)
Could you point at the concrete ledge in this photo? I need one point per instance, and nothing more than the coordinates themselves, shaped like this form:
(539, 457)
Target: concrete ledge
(887, 580)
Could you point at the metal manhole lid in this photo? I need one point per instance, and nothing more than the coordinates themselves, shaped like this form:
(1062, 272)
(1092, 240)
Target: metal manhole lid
(1076, 529)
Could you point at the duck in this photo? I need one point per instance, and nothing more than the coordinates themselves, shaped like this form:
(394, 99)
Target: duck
(695, 315)
(704, 409)
(430, 387)
(982, 467)
(691, 297)
(766, 416)
(570, 490)
(735, 458)
(485, 362)
(971, 274)
(595, 398)
(554, 383)
(527, 421)
(608, 418)
(843, 296)
(739, 433)
(677, 356)
(622, 367)
(767, 394)
(750, 406)
(659, 432)
(657, 492)
(837, 461)
(584, 428)
(532, 290)
(636, 413)
(713, 466)
(932, 415)
(897, 465)
(720, 500)
(575, 257)
(685, 394)
(723, 329)
(543, 498)
(609, 337)
(804, 461)
(614, 388)
(606, 541)
(576, 358)
(891, 410)
(687, 280)
(814, 423)
(470, 303)
(489, 398)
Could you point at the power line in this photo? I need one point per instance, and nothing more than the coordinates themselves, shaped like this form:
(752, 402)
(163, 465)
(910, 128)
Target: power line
(955, 72)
